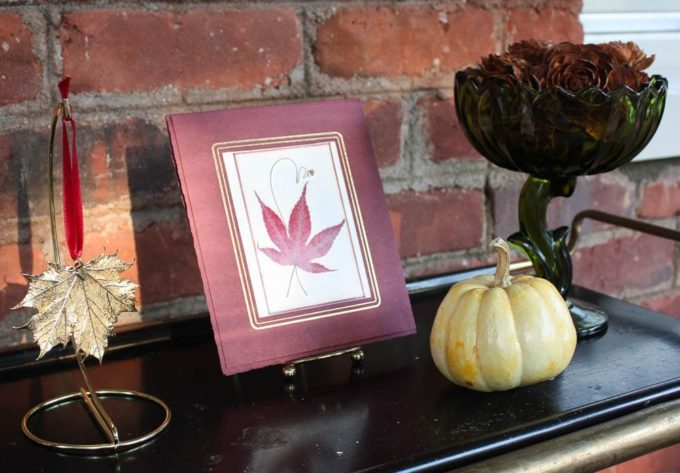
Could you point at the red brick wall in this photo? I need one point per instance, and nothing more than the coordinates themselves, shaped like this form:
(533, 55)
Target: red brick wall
(131, 65)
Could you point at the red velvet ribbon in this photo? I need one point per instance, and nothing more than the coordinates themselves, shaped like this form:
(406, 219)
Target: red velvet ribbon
(73, 202)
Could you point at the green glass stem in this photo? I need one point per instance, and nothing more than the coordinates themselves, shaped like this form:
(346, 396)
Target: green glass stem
(546, 249)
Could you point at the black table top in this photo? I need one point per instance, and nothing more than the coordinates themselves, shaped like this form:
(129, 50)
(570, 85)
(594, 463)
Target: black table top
(396, 412)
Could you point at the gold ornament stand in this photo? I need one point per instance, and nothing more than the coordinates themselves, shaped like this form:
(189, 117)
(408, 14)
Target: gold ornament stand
(356, 353)
(88, 394)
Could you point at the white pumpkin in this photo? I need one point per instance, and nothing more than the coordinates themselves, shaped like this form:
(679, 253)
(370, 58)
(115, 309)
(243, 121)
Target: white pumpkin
(493, 333)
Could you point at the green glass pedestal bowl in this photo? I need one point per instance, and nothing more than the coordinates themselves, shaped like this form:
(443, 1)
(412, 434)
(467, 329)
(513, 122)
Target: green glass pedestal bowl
(555, 136)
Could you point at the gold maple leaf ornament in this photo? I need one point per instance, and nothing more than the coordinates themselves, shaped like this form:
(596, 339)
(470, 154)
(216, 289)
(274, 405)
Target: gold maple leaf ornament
(80, 302)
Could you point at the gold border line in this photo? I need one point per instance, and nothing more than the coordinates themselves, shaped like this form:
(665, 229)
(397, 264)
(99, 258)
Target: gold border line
(376, 299)
(252, 308)
(281, 315)
(357, 208)
(231, 220)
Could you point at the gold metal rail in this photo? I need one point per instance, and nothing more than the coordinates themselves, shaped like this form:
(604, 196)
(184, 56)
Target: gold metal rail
(625, 222)
(593, 448)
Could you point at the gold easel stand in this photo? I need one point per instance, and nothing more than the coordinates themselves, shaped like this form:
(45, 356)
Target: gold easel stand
(289, 369)
(90, 396)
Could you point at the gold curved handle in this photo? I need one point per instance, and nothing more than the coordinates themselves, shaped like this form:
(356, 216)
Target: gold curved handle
(619, 221)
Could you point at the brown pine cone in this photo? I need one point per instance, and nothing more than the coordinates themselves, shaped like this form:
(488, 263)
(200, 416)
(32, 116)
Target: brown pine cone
(573, 67)
(577, 66)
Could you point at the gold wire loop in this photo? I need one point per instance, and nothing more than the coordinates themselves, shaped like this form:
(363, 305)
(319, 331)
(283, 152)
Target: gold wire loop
(50, 176)
(67, 109)
(101, 448)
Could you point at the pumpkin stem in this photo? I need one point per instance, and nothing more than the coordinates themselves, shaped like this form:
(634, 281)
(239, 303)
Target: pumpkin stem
(502, 277)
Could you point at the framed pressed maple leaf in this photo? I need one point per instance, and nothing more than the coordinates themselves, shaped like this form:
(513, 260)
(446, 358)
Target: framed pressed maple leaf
(291, 231)
(304, 240)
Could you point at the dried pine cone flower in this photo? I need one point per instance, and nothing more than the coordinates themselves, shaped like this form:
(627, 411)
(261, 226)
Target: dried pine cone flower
(632, 61)
(531, 51)
(629, 53)
(573, 67)
(576, 66)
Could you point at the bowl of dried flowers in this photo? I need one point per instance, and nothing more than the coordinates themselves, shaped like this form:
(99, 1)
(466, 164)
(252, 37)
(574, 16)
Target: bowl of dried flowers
(556, 112)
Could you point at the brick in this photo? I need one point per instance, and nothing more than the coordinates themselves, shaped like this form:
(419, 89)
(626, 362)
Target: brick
(625, 266)
(446, 138)
(131, 50)
(449, 265)
(437, 221)
(9, 180)
(17, 259)
(404, 40)
(24, 172)
(131, 157)
(544, 24)
(609, 192)
(661, 199)
(166, 262)
(20, 70)
(31, 258)
(128, 158)
(667, 303)
(23, 183)
(505, 199)
(383, 119)
(139, 153)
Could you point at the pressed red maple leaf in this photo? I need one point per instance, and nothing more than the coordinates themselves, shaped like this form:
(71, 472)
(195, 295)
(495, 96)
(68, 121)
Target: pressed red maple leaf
(293, 245)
